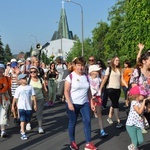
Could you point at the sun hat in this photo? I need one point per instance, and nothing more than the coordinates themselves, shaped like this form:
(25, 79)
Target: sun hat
(93, 68)
(2, 66)
(34, 67)
(20, 61)
(28, 59)
(21, 76)
(134, 90)
(13, 60)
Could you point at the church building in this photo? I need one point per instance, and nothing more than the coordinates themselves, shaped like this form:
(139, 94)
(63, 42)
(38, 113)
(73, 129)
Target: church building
(62, 40)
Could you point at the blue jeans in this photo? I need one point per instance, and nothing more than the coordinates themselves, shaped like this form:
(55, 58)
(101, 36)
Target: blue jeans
(86, 119)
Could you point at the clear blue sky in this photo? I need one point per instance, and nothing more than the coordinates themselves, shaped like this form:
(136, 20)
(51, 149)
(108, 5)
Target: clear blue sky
(19, 18)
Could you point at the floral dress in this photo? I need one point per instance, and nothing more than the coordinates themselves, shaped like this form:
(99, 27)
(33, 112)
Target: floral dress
(142, 81)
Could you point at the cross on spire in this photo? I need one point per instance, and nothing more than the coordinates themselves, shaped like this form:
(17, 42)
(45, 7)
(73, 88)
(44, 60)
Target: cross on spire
(62, 2)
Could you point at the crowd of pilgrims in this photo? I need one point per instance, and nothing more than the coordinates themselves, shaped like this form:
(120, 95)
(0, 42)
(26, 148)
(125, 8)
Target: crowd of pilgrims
(27, 85)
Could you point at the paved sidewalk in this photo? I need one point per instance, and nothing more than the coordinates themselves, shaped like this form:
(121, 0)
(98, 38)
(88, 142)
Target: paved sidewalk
(56, 136)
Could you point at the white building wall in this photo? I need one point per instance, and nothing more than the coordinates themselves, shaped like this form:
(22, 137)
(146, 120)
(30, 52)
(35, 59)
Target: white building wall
(55, 47)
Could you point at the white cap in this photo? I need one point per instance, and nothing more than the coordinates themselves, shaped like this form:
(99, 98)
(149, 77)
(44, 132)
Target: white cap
(20, 61)
(93, 68)
(13, 60)
(28, 59)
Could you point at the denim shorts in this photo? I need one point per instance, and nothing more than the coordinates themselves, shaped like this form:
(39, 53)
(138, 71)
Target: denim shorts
(25, 115)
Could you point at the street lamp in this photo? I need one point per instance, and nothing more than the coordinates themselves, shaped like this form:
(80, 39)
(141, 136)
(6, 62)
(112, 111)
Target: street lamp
(30, 42)
(34, 37)
(81, 22)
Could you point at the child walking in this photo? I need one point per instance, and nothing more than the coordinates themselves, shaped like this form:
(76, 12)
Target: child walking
(95, 82)
(23, 95)
(135, 122)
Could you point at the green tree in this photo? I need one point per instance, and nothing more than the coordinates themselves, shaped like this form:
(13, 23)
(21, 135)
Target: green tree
(77, 49)
(28, 54)
(137, 27)
(129, 24)
(8, 54)
(45, 59)
(112, 41)
(75, 37)
(99, 34)
(1, 52)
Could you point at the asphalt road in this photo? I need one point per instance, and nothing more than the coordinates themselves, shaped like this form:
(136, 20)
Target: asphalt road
(56, 135)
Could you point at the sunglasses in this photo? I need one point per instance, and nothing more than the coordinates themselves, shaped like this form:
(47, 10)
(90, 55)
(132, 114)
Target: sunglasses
(32, 71)
(91, 60)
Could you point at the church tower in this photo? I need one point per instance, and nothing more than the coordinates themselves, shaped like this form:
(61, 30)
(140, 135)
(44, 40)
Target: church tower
(62, 41)
(63, 28)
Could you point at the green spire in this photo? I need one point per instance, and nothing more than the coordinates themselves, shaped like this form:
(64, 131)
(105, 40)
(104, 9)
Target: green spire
(63, 28)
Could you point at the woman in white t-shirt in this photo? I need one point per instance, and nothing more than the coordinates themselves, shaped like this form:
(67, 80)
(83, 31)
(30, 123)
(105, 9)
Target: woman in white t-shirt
(78, 96)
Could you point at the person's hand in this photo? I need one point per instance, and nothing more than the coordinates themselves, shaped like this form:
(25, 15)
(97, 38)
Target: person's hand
(12, 109)
(93, 107)
(140, 46)
(35, 107)
(71, 107)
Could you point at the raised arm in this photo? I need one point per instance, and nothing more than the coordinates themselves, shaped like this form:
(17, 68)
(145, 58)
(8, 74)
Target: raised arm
(141, 47)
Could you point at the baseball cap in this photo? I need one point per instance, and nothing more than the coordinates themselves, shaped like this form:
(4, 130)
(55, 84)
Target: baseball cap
(14, 64)
(134, 90)
(2, 66)
(93, 68)
(21, 76)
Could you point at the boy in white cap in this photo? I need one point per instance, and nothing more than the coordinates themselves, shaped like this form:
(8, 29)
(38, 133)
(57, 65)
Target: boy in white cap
(95, 82)
(23, 95)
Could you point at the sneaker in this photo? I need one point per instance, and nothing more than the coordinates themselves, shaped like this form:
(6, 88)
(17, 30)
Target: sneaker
(40, 130)
(103, 134)
(74, 146)
(24, 137)
(144, 131)
(46, 104)
(90, 146)
(28, 126)
(4, 134)
(131, 147)
(109, 120)
(119, 125)
(51, 103)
